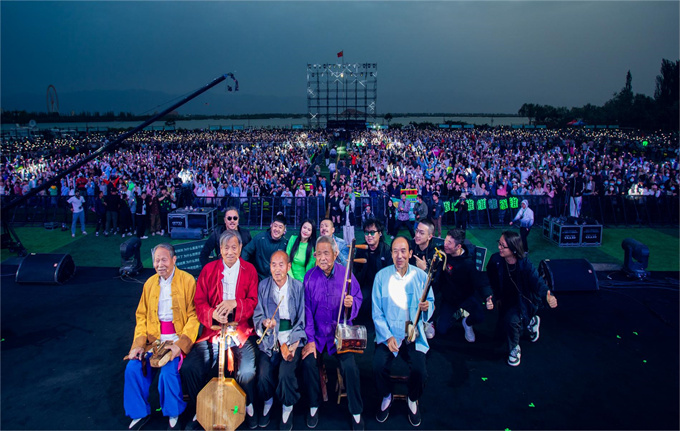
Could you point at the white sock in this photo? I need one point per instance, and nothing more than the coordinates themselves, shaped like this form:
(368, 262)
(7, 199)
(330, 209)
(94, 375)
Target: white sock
(134, 422)
(285, 412)
(412, 406)
(312, 410)
(173, 421)
(357, 418)
(386, 402)
(267, 406)
(250, 410)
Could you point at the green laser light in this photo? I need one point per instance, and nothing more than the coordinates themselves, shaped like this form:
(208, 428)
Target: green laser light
(484, 379)
(618, 336)
(645, 143)
(531, 405)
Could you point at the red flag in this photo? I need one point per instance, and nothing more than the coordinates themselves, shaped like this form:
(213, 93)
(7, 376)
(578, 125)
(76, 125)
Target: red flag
(340, 54)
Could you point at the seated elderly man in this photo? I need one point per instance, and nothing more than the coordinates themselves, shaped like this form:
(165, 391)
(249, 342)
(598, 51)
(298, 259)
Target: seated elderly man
(165, 313)
(226, 291)
(280, 321)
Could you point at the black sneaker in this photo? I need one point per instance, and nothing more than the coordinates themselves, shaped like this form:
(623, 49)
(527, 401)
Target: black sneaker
(251, 421)
(533, 328)
(287, 426)
(312, 421)
(193, 425)
(358, 426)
(264, 419)
(414, 418)
(382, 415)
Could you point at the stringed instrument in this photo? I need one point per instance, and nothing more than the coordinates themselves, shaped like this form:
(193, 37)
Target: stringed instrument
(412, 327)
(221, 404)
(349, 338)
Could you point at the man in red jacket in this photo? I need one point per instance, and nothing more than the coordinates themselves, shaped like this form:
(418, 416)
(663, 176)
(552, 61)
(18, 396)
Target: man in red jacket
(226, 291)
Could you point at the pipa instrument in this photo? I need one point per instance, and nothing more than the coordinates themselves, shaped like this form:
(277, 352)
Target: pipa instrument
(221, 404)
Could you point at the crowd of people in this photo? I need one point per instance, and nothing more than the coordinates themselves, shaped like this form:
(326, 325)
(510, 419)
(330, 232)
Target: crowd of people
(226, 168)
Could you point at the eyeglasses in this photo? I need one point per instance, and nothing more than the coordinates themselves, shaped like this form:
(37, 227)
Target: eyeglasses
(230, 218)
(370, 232)
(501, 245)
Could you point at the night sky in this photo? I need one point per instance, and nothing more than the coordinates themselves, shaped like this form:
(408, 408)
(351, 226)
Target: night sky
(432, 56)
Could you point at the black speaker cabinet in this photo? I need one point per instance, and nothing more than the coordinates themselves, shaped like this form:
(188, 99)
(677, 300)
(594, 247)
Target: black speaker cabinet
(46, 269)
(569, 275)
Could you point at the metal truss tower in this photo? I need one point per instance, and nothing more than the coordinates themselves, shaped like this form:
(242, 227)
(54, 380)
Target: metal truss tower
(339, 92)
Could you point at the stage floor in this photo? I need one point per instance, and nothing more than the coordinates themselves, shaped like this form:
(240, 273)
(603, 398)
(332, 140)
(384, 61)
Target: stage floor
(605, 360)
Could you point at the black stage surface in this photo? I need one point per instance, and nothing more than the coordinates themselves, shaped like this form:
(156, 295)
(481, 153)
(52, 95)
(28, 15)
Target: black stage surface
(605, 360)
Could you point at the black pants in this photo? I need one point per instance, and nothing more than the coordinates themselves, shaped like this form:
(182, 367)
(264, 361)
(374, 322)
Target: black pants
(471, 304)
(382, 365)
(201, 365)
(512, 324)
(140, 222)
(285, 385)
(524, 233)
(408, 224)
(349, 372)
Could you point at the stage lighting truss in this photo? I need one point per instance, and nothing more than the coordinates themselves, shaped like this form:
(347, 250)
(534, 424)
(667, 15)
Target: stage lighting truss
(341, 92)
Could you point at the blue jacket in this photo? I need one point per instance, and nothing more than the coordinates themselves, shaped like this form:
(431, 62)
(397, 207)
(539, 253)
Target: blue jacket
(388, 317)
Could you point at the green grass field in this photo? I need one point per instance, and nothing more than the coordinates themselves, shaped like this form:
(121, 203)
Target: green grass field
(92, 251)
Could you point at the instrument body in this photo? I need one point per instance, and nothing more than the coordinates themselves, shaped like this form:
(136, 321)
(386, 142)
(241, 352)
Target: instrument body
(412, 327)
(349, 338)
(160, 353)
(221, 404)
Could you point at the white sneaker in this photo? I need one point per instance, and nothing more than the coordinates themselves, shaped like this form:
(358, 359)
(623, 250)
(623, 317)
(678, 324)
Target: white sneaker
(84, 233)
(73, 235)
(533, 328)
(144, 237)
(515, 356)
(469, 332)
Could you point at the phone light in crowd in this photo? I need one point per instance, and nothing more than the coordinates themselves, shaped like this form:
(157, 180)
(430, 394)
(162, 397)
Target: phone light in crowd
(645, 143)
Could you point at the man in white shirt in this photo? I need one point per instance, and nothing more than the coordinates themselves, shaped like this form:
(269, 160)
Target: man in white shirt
(78, 211)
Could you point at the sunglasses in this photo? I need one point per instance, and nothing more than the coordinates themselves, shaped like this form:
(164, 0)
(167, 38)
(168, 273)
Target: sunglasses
(230, 218)
(370, 232)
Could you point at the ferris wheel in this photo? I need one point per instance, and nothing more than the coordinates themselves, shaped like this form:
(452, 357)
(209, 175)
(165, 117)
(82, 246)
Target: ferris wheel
(52, 100)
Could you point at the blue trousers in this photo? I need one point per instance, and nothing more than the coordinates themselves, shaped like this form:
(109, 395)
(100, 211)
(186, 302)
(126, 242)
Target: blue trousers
(136, 389)
(78, 216)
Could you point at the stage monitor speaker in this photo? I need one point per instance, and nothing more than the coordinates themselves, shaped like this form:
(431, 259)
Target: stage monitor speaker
(186, 233)
(569, 275)
(46, 269)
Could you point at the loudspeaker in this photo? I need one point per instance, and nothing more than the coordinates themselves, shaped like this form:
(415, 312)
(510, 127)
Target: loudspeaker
(46, 269)
(186, 233)
(569, 275)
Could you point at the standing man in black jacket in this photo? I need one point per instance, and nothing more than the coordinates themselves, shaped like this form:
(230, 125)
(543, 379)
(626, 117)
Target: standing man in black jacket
(461, 286)
(231, 217)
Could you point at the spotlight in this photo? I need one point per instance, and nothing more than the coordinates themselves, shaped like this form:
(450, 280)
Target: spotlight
(636, 258)
(130, 258)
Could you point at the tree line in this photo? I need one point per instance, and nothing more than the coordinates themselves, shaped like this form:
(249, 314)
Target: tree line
(624, 109)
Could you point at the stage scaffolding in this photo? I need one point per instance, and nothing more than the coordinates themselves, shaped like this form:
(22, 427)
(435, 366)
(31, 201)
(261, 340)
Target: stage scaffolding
(341, 93)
